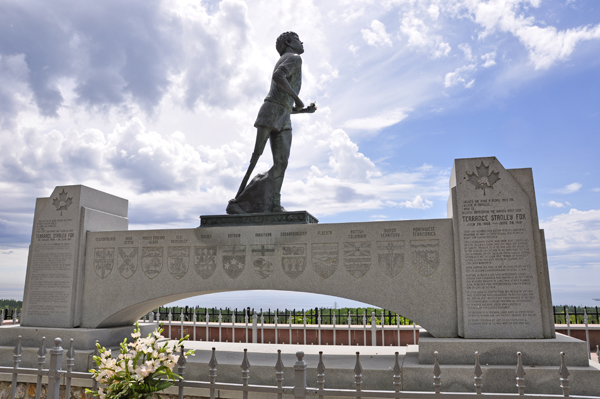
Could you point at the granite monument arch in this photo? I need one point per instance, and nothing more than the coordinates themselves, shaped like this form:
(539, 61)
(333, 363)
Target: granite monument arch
(481, 273)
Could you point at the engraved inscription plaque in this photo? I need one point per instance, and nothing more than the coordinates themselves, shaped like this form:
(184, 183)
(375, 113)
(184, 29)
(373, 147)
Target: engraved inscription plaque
(497, 233)
(234, 260)
(357, 258)
(104, 260)
(128, 261)
(205, 260)
(178, 261)
(59, 264)
(325, 258)
(425, 256)
(390, 255)
(152, 261)
(263, 257)
(293, 260)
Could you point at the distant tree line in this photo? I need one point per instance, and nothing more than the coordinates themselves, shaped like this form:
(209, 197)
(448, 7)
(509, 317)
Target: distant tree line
(10, 304)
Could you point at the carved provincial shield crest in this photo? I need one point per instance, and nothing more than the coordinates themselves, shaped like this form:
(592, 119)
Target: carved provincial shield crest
(104, 260)
(390, 256)
(128, 261)
(205, 260)
(325, 258)
(234, 260)
(425, 256)
(357, 258)
(178, 261)
(262, 259)
(293, 259)
(152, 261)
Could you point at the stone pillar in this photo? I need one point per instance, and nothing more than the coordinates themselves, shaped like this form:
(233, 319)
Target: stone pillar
(503, 289)
(55, 268)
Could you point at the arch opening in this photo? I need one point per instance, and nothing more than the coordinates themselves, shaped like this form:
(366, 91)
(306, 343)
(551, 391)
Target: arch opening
(254, 299)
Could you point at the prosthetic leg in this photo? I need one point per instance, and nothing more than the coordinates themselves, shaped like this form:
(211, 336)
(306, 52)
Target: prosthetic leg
(262, 135)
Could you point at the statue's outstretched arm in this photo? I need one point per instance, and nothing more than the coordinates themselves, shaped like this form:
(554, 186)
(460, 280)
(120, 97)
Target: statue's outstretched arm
(308, 110)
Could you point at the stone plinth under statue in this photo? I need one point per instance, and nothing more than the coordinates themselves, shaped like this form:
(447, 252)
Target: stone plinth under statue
(480, 275)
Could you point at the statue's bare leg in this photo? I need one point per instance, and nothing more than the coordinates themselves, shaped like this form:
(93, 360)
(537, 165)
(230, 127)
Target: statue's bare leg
(262, 135)
(281, 142)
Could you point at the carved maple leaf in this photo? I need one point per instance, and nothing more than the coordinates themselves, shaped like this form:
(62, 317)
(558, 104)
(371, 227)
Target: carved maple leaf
(62, 202)
(483, 178)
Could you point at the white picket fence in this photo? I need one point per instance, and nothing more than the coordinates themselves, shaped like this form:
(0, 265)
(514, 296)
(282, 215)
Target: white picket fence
(54, 374)
(255, 329)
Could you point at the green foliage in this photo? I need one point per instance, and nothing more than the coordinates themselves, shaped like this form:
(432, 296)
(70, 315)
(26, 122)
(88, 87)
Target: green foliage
(341, 315)
(575, 314)
(10, 304)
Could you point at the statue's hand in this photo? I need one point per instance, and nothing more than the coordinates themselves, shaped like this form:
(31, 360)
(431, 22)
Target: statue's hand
(311, 108)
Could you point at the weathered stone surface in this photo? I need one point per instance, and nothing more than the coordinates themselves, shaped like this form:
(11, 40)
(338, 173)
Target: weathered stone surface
(403, 266)
(494, 352)
(498, 378)
(83, 338)
(298, 217)
(499, 287)
(501, 275)
(53, 285)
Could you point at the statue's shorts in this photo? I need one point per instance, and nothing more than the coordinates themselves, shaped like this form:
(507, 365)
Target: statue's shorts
(273, 116)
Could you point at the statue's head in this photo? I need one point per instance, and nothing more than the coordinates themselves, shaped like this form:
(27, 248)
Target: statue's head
(282, 41)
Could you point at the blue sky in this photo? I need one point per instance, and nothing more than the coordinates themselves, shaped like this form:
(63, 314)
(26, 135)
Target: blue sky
(155, 102)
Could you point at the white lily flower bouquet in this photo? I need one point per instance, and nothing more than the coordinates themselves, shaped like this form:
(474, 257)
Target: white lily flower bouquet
(142, 368)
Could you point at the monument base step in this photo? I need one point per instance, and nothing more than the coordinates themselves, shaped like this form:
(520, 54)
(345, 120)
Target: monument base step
(499, 379)
(83, 338)
(535, 352)
(258, 219)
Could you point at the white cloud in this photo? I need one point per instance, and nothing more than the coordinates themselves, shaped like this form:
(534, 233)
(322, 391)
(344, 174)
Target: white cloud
(417, 202)
(376, 35)
(489, 59)
(573, 243)
(569, 188)
(420, 37)
(345, 159)
(14, 91)
(433, 11)
(159, 108)
(352, 13)
(459, 76)
(596, 189)
(555, 204)
(466, 49)
(377, 122)
(546, 45)
(576, 230)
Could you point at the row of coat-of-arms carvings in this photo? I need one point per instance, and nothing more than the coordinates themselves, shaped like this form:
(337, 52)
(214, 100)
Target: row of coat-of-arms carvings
(325, 257)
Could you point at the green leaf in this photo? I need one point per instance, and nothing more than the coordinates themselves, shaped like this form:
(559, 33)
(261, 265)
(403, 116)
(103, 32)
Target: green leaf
(163, 385)
(137, 359)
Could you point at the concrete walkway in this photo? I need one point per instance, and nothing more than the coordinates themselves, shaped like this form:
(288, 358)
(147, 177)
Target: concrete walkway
(334, 357)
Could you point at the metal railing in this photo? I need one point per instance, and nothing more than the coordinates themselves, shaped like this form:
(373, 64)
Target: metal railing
(54, 374)
(372, 331)
(562, 315)
(285, 329)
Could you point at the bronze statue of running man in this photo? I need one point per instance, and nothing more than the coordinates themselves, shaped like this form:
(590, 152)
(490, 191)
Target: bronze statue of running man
(273, 123)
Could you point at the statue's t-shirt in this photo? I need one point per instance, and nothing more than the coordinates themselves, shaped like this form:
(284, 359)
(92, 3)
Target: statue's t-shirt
(275, 111)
